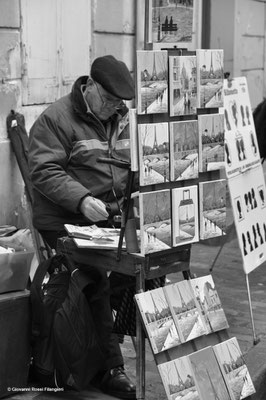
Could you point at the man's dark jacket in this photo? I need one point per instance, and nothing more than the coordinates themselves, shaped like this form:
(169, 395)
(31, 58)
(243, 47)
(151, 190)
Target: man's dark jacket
(64, 145)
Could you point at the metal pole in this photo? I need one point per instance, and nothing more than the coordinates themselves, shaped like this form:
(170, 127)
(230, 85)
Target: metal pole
(255, 339)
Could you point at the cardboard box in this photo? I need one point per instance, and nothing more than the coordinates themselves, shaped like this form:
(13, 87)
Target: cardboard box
(14, 270)
(15, 340)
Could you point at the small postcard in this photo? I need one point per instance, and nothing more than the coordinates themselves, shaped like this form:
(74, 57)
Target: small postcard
(211, 142)
(208, 299)
(210, 77)
(234, 369)
(153, 153)
(155, 221)
(212, 201)
(178, 381)
(152, 81)
(182, 85)
(184, 150)
(185, 310)
(185, 220)
(158, 321)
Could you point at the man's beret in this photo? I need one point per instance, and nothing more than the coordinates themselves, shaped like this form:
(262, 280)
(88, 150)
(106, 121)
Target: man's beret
(114, 77)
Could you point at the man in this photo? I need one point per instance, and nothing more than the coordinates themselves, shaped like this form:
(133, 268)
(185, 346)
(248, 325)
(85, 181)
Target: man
(71, 186)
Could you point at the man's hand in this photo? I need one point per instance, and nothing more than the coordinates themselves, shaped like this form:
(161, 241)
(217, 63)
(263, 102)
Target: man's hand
(94, 209)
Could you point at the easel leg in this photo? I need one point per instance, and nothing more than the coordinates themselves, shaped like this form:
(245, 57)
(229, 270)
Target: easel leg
(140, 340)
(255, 339)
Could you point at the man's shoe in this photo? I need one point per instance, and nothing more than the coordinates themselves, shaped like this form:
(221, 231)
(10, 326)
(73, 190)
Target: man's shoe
(116, 383)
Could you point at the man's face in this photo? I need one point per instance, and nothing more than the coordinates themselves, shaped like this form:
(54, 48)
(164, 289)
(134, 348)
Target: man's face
(101, 103)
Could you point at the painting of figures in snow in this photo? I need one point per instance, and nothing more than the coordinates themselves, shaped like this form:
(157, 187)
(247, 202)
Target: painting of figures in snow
(178, 380)
(152, 81)
(157, 319)
(184, 153)
(212, 200)
(155, 221)
(234, 368)
(185, 215)
(211, 142)
(208, 375)
(172, 21)
(182, 85)
(153, 153)
(186, 313)
(210, 76)
(208, 299)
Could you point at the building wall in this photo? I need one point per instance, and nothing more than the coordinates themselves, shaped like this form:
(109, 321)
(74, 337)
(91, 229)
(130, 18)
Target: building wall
(238, 26)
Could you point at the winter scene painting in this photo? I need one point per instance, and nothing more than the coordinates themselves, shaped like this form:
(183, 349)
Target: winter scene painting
(153, 153)
(182, 85)
(208, 299)
(211, 142)
(208, 375)
(172, 21)
(234, 368)
(152, 81)
(184, 153)
(178, 380)
(155, 221)
(210, 76)
(187, 315)
(212, 200)
(157, 319)
(185, 215)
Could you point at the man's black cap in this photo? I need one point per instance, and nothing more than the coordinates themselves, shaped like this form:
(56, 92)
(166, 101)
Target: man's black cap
(114, 77)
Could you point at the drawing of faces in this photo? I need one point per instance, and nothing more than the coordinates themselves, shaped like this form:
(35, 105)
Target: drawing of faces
(261, 196)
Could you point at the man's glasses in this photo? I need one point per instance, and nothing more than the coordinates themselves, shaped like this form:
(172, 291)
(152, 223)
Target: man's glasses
(116, 104)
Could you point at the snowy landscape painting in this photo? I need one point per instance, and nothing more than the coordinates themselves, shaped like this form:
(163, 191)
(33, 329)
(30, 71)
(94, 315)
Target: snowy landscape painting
(152, 81)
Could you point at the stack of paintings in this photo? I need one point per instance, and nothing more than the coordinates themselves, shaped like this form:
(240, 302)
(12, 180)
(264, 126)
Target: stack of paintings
(180, 312)
(218, 372)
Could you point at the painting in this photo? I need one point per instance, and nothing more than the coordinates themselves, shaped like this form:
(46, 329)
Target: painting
(241, 146)
(212, 201)
(208, 375)
(185, 310)
(210, 76)
(234, 369)
(152, 81)
(208, 299)
(157, 319)
(185, 215)
(211, 142)
(247, 192)
(155, 221)
(182, 85)
(178, 379)
(184, 150)
(153, 153)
